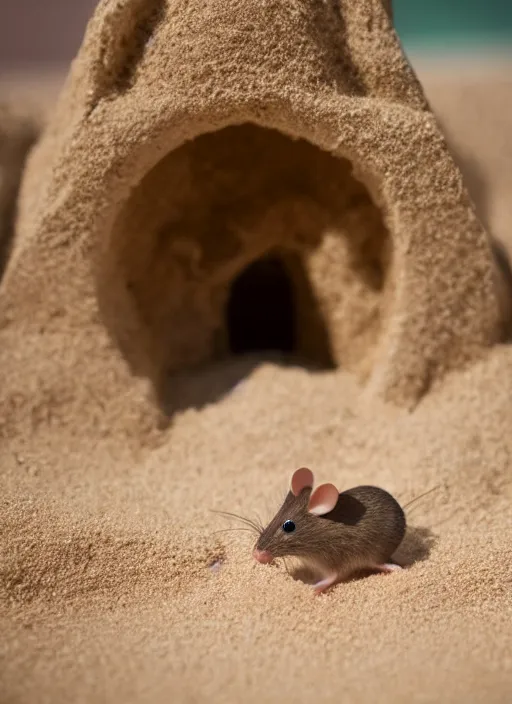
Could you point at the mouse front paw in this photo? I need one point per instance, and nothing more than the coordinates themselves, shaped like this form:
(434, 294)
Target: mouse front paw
(324, 583)
(388, 567)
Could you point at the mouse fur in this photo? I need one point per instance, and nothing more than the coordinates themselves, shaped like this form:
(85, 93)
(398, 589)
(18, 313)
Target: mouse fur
(356, 529)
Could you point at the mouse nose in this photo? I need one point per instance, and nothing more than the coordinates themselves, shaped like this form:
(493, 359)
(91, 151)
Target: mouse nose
(262, 556)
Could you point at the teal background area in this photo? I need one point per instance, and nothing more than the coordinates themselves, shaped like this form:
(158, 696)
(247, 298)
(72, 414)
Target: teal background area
(434, 22)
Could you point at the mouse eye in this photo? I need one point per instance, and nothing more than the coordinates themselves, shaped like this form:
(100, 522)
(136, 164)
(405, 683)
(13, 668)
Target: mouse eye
(288, 526)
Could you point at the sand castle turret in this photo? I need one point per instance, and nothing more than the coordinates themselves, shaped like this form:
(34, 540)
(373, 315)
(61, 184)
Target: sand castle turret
(211, 167)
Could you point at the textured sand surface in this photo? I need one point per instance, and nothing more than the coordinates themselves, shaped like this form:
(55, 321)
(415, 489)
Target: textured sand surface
(107, 591)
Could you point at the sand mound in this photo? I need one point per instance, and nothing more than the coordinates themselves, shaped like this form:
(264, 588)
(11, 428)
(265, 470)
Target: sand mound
(200, 156)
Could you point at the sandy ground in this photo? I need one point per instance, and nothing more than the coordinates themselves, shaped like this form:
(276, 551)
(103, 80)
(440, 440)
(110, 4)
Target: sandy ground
(116, 586)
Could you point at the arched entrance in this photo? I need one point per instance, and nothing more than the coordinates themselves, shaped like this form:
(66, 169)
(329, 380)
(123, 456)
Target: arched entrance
(261, 315)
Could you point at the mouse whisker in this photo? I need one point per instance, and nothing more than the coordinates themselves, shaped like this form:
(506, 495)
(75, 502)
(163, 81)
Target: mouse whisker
(226, 530)
(285, 565)
(259, 523)
(252, 524)
(417, 498)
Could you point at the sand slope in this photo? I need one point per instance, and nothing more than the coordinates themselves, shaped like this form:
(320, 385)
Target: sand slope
(107, 593)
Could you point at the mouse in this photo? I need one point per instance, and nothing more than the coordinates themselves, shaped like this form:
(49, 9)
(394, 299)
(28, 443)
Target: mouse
(334, 533)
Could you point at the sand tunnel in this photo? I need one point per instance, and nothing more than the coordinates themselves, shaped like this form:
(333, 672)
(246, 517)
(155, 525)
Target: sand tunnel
(244, 240)
(260, 313)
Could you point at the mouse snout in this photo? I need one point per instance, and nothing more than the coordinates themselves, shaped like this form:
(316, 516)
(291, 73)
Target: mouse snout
(262, 556)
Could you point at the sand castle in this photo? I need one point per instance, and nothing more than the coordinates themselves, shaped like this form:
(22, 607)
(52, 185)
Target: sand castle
(206, 167)
(218, 177)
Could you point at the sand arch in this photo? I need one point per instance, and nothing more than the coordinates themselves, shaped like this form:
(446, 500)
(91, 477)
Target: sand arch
(216, 209)
(185, 147)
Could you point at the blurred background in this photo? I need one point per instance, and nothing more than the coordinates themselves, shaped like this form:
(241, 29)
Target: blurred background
(50, 31)
(441, 24)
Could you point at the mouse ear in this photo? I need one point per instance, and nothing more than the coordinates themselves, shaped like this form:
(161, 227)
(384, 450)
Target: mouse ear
(302, 479)
(323, 499)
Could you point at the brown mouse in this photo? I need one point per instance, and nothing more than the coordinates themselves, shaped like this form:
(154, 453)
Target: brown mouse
(335, 534)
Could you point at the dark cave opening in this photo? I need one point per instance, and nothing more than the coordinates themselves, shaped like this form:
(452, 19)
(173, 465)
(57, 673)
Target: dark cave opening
(261, 315)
